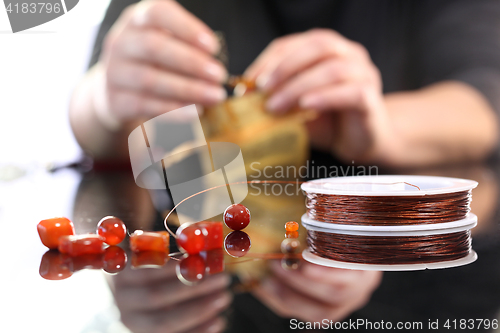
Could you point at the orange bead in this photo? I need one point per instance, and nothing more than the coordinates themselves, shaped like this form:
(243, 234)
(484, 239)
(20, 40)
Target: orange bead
(291, 226)
(112, 229)
(292, 234)
(81, 244)
(51, 229)
(149, 241)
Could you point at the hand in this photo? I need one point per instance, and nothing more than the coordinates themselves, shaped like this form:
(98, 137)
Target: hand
(314, 293)
(157, 57)
(154, 300)
(322, 70)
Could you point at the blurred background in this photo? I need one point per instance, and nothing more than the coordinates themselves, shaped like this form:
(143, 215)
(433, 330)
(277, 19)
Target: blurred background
(39, 68)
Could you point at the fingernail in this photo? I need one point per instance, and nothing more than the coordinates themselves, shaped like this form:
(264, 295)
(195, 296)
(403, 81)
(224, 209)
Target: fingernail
(216, 72)
(310, 102)
(275, 103)
(215, 95)
(264, 82)
(208, 42)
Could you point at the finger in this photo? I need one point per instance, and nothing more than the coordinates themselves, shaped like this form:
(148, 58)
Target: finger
(288, 303)
(332, 293)
(168, 293)
(326, 72)
(128, 104)
(162, 84)
(180, 318)
(318, 45)
(172, 17)
(351, 96)
(215, 325)
(154, 46)
(271, 55)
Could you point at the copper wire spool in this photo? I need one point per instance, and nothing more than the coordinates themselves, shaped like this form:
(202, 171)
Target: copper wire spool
(389, 222)
(389, 249)
(388, 210)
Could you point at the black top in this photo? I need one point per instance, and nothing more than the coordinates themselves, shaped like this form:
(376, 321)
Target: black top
(413, 43)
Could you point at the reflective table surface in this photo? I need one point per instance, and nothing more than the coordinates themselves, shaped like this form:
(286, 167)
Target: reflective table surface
(262, 291)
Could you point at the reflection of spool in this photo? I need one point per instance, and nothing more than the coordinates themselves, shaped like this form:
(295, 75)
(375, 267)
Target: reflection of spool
(368, 242)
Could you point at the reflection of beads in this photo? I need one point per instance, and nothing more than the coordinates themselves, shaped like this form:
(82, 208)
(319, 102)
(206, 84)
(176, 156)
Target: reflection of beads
(237, 243)
(290, 245)
(236, 217)
(115, 259)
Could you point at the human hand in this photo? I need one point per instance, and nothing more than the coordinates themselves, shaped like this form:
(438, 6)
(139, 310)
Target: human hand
(314, 293)
(322, 70)
(157, 57)
(154, 300)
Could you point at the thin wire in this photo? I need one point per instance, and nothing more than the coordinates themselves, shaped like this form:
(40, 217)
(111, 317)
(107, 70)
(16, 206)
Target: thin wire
(258, 182)
(388, 210)
(220, 186)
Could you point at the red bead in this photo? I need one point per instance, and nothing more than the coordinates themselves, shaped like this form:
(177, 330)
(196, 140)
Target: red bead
(191, 269)
(112, 229)
(51, 229)
(214, 260)
(191, 238)
(149, 259)
(215, 235)
(237, 243)
(54, 266)
(150, 241)
(291, 226)
(81, 244)
(115, 259)
(236, 217)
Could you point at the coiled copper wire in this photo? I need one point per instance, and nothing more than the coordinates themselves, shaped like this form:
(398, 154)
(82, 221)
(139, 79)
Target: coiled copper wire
(388, 210)
(389, 249)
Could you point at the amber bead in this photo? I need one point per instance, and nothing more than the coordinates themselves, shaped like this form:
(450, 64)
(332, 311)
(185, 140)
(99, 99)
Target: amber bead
(115, 259)
(237, 243)
(81, 244)
(51, 229)
(291, 226)
(149, 241)
(55, 266)
(237, 217)
(112, 230)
